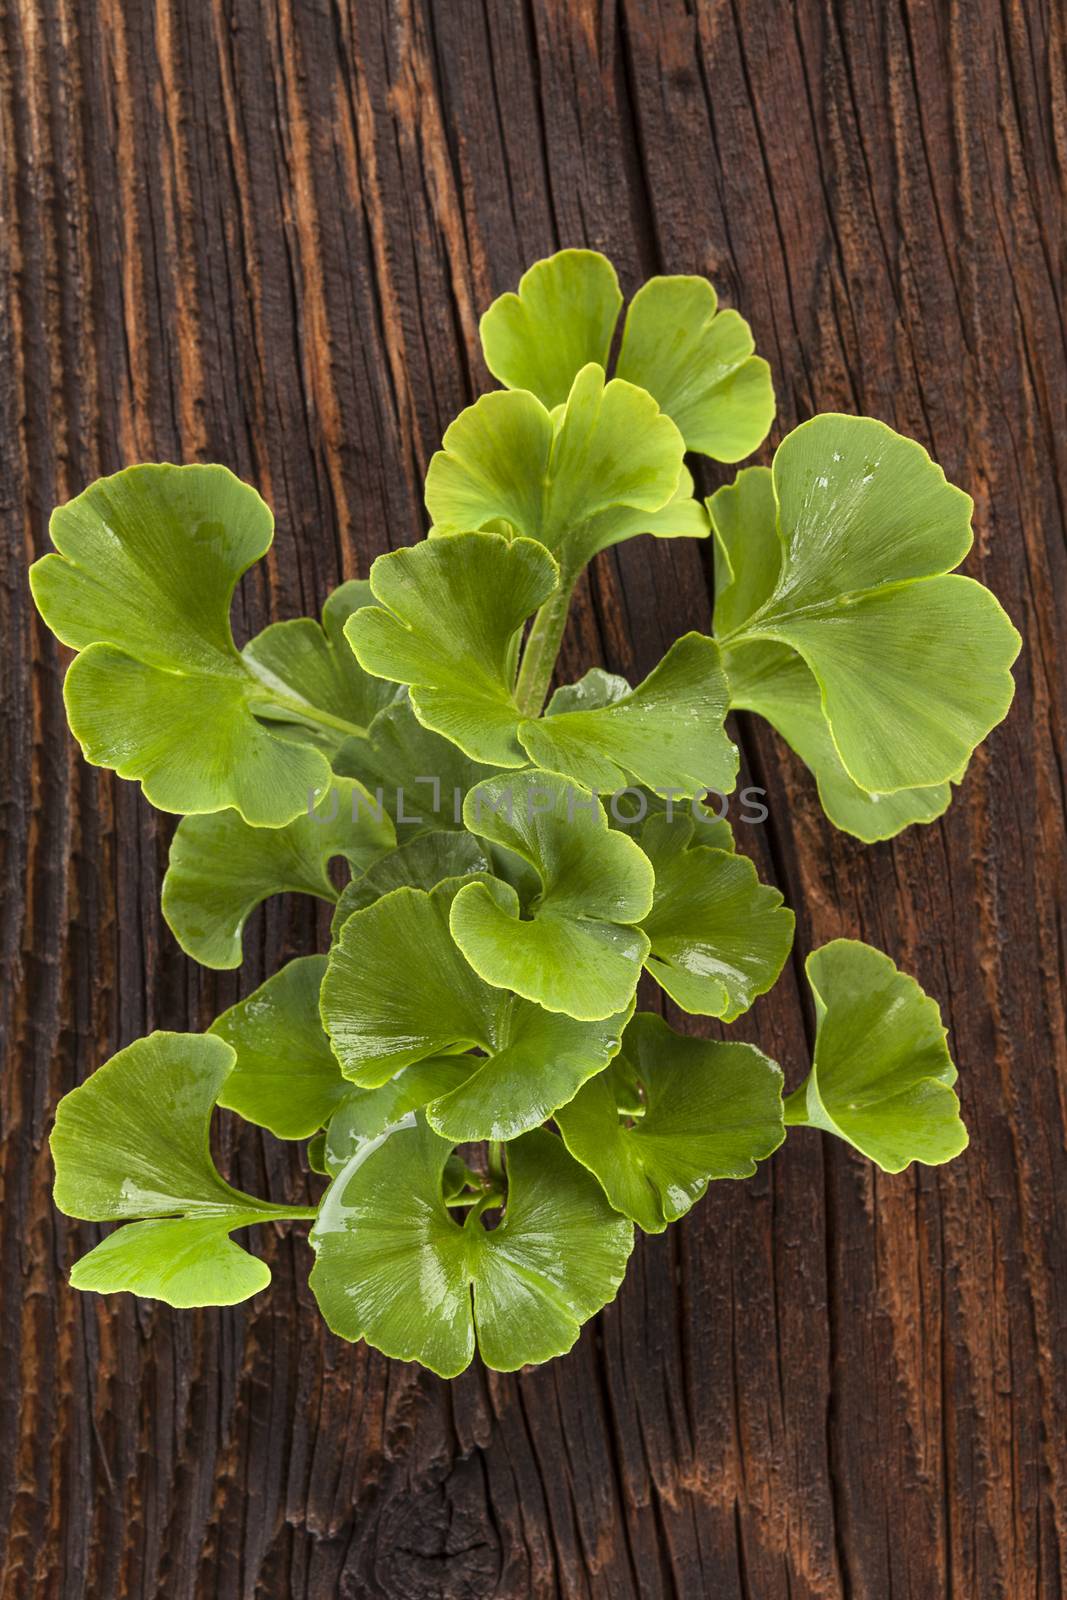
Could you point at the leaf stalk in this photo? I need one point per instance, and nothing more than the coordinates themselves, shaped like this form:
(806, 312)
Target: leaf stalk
(542, 649)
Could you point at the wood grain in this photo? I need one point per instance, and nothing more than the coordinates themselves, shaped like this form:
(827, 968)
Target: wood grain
(261, 232)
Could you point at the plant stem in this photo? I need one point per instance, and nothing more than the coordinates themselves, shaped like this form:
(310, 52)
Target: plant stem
(308, 713)
(796, 1108)
(542, 648)
(496, 1161)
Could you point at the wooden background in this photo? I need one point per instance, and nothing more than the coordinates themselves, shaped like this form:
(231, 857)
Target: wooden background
(261, 232)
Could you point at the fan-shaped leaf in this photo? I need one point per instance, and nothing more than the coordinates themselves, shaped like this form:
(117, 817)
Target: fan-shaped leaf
(132, 1141)
(911, 661)
(719, 937)
(666, 734)
(315, 665)
(448, 623)
(285, 1077)
(695, 360)
(380, 1021)
(671, 1114)
(221, 869)
(394, 1267)
(882, 1076)
(562, 318)
(577, 951)
(698, 363)
(141, 585)
(774, 681)
(608, 468)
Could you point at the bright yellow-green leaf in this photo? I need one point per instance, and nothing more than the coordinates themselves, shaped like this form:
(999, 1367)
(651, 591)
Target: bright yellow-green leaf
(133, 1142)
(697, 361)
(882, 1076)
(141, 584)
(666, 734)
(380, 1020)
(575, 950)
(694, 359)
(562, 318)
(449, 614)
(395, 1268)
(221, 869)
(911, 661)
(608, 467)
(670, 1115)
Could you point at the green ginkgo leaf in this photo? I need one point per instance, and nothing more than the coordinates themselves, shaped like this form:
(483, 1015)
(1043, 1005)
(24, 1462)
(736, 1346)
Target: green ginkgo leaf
(379, 1021)
(220, 869)
(576, 950)
(882, 1076)
(133, 1142)
(606, 468)
(695, 360)
(315, 665)
(367, 1113)
(718, 937)
(421, 863)
(912, 661)
(666, 734)
(772, 680)
(562, 318)
(698, 362)
(448, 624)
(141, 584)
(670, 1115)
(285, 1077)
(418, 777)
(393, 1266)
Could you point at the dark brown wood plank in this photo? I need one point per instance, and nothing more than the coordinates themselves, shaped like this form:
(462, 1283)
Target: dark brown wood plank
(262, 233)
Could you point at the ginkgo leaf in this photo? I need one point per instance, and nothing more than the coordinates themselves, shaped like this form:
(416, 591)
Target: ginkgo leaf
(576, 950)
(380, 1021)
(881, 1077)
(133, 1142)
(421, 863)
(562, 318)
(447, 624)
(315, 665)
(666, 734)
(670, 1115)
(418, 777)
(697, 361)
(607, 468)
(773, 681)
(393, 1266)
(285, 1076)
(718, 937)
(912, 661)
(366, 1113)
(220, 869)
(630, 807)
(141, 585)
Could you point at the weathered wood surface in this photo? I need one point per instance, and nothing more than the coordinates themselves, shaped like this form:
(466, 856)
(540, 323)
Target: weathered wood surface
(261, 232)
